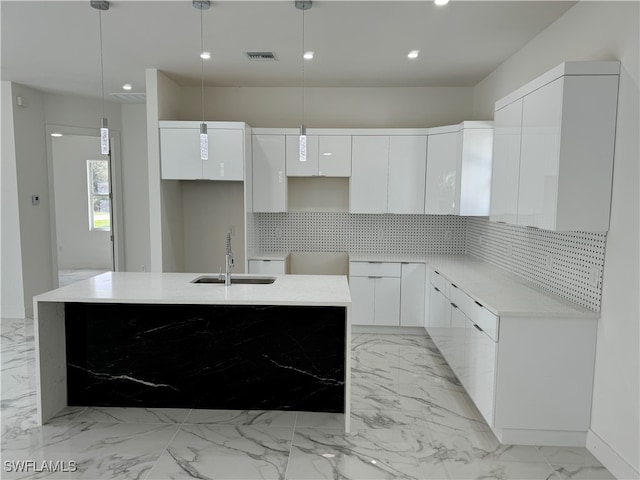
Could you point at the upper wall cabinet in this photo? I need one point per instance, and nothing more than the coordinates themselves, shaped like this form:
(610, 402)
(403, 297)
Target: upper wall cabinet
(180, 151)
(407, 165)
(388, 173)
(327, 156)
(506, 163)
(369, 174)
(567, 136)
(458, 178)
(269, 181)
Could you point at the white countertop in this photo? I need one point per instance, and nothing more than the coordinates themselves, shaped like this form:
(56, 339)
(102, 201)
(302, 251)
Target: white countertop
(175, 288)
(500, 292)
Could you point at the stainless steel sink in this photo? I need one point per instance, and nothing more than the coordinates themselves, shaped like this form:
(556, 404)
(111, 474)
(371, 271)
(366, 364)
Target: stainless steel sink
(235, 279)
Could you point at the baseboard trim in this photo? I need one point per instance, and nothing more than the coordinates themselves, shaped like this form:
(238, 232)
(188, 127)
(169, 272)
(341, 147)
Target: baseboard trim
(391, 330)
(618, 466)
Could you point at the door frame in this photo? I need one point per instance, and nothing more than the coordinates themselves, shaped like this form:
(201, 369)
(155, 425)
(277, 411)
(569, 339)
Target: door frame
(117, 218)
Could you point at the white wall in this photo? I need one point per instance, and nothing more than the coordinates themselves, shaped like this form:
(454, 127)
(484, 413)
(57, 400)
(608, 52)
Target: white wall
(32, 179)
(331, 107)
(77, 246)
(209, 209)
(11, 282)
(165, 197)
(135, 187)
(601, 31)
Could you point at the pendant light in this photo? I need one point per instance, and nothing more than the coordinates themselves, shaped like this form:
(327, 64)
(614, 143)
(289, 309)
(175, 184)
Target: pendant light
(204, 136)
(101, 5)
(303, 5)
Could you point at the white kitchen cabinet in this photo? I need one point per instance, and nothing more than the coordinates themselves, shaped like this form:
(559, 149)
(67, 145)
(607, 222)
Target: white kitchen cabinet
(269, 181)
(506, 163)
(375, 293)
(407, 166)
(369, 174)
(508, 363)
(327, 156)
(412, 292)
(442, 165)
(458, 178)
(180, 151)
(267, 267)
(479, 371)
(387, 301)
(567, 146)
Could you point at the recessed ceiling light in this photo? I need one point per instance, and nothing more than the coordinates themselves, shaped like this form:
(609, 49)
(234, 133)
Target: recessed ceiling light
(413, 54)
(441, 2)
(205, 55)
(56, 134)
(127, 86)
(328, 455)
(308, 55)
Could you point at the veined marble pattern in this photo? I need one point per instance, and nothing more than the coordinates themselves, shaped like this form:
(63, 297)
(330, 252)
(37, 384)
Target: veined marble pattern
(410, 420)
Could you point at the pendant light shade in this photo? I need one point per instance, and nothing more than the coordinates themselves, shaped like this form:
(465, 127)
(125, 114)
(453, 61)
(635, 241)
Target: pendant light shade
(102, 5)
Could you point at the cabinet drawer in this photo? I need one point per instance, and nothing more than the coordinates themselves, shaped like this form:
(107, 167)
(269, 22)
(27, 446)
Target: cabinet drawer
(440, 283)
(486, 320)
(374, 269)
(463, 301)
(273, 267)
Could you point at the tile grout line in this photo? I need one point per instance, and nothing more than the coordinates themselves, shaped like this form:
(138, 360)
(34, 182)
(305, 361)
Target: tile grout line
(293, 435)
(168, 443)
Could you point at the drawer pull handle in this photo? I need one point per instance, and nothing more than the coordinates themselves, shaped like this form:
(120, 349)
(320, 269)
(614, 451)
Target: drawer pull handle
(454, 305)
(478, 328)
(454, 285)
(373, 277)
(436, 272)
(436, 289)
(374, 262)
(479, 304)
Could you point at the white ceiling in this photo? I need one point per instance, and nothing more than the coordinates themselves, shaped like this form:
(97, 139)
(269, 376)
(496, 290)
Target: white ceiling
(54, 45)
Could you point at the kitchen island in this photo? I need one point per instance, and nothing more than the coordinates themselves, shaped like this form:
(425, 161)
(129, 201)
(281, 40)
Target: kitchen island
(159, 340)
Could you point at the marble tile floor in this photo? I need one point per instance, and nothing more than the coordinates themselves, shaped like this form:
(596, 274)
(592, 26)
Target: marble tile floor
(411, 420)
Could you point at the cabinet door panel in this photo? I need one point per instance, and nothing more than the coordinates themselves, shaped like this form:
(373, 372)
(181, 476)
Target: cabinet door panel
(442, 159)
(506, 163)
(439, 317)
(540, 156)
(334, 156)
(296, 168)
(412, 294)
(387, 301)
(180, 154)
(362, 298)
(269, 182)
(456, 340)
(369, 174)
(226, 155)
(480, 360)
(475, 172)
(407, 169)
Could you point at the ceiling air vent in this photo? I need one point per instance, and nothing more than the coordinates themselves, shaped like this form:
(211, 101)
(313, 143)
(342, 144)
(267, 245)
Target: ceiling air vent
(261, 56)
(129, 97)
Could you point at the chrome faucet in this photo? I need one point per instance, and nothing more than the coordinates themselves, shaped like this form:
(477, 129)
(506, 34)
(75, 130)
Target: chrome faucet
(229, 262)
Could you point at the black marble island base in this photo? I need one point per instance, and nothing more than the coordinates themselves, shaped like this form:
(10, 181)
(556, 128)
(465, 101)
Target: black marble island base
(247, 357)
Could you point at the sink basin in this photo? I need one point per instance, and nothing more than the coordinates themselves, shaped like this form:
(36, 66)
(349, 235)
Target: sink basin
(235, 279)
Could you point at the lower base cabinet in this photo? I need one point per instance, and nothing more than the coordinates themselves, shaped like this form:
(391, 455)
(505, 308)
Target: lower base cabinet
(387, 293)
(529, 375)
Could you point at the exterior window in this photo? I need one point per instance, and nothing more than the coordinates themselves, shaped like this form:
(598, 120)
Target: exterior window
(98, 187)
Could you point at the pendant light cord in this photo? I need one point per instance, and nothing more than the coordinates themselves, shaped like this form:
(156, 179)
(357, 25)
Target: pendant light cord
(101, 61)
(202, 62)
(303, 51)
